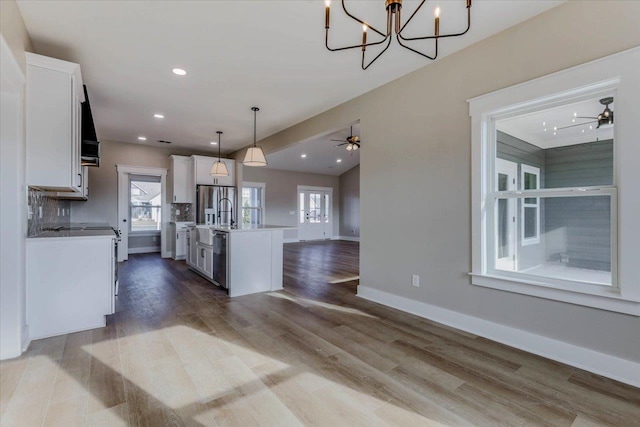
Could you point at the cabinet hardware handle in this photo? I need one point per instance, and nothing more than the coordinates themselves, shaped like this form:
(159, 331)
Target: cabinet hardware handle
(177, 236)
(80, 175)
(174, 198)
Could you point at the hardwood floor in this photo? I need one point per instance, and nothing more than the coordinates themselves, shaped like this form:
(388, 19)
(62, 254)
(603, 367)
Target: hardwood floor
(179, 352)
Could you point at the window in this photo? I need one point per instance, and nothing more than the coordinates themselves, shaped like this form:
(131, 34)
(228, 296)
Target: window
(252, 203)
(145, 207)
(530, 214)
(566, 227)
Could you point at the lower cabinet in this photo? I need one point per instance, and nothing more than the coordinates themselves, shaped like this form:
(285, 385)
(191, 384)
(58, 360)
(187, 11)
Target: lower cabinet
(204, 261)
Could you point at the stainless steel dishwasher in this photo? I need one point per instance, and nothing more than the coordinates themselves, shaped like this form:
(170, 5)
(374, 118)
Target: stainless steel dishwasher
(220, 258)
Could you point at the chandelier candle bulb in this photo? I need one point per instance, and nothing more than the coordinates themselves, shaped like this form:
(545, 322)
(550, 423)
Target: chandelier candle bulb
(327, 12)
(437, 23)
(364, 38)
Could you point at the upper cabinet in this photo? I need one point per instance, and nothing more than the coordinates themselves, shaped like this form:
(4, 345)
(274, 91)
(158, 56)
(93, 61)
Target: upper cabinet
(202, 167)
(54, 119)
(181, 181)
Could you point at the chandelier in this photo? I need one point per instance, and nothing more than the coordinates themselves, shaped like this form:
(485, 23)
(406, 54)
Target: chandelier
(394, 25)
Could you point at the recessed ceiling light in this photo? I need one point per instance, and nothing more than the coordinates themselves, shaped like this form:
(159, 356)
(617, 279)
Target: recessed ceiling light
(582, 130)
(555, 128)
(142, 138)
(339, 160)
(575, 114)
(554, 133)
(179, 71)
(158, 116)
(544, 123)
(303, 155)
(545, 129)
(213, 143)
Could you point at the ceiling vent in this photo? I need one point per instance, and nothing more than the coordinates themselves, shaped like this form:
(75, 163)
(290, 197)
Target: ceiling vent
(162, 141)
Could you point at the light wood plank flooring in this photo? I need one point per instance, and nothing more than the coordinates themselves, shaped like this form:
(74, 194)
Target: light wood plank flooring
(179, 352)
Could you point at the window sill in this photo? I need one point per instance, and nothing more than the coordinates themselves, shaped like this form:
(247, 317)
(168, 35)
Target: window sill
(603, 299)
(143, 233)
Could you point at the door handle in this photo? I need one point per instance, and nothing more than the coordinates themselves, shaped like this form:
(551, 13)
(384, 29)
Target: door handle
(124, 220)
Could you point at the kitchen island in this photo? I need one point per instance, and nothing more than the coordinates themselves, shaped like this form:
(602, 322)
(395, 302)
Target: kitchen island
(244, 260)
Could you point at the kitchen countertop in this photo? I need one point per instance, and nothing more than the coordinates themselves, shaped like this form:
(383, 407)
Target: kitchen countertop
(245, 227)
(82, 229)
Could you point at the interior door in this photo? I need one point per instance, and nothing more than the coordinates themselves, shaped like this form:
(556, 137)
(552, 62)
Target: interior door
(506, 237)
(123, 216)
(314, 220)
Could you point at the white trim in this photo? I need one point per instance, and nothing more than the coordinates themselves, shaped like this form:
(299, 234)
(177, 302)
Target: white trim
(329, 225)
(260, 185)
(616, 74)
(144, 250)
(349, 238)
(123, 188)
(606, 365)
(531, 170)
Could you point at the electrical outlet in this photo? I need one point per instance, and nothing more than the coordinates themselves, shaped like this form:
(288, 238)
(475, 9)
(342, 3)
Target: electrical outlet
(177, 211)
(29, 212)
(40, 214)
(292, 212)
(415, 280)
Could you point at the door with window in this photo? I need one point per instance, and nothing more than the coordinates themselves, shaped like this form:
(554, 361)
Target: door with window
(314, 213)
(506, 244)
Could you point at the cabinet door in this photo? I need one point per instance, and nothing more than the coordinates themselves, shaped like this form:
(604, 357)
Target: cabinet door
(181, 244)
(208, 262)
(182, 179)
(76, 140)
(200, 258)
(202, 166)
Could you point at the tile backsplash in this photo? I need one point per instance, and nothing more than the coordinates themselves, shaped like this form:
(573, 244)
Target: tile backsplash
(55, 213)
(187, 212)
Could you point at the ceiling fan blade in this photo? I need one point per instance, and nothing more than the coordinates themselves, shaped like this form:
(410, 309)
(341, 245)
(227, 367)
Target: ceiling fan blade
(579, 124)
(337, 140)
(582, 117)
(339, 145)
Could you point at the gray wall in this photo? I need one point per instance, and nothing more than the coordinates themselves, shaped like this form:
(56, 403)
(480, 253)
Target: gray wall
(580, 223)
(281, 195)
(350, 203)
(418, 154)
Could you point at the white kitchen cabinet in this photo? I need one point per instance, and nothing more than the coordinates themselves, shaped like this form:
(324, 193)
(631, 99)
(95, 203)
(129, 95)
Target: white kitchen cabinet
(202, 168)
(181, 244)
(53, 124)
(181, 181)
(70, 284)
(204, 261)
(192, 250)
(178, 239)
(82, 193)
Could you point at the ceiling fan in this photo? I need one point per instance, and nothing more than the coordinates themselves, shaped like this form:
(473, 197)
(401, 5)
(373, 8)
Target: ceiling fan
(604, 118)
(352, 142)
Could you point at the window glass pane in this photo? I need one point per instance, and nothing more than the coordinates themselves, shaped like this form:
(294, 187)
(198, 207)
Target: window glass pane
(326, 208)
(530, 181)
(315, 207)
(502, 182)
(574, 239)
(503, 232)
(530, 223)
(146, 206)
(302, 208)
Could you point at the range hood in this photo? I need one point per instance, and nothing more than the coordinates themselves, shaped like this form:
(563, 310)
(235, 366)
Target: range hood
(90, 148)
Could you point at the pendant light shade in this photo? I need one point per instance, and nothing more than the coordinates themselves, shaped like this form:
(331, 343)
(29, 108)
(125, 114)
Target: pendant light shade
(255, 156)
(219, 168)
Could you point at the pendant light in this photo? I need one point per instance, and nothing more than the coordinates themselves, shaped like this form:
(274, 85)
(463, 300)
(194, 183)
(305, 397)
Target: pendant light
(255, 155)
(219, 168)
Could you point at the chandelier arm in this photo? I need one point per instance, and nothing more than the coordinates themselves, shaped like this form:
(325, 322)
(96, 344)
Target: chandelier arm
(337, 49)
(440, 36)
(412, 15)
(416, 51)
(344, 7)
(378, 56)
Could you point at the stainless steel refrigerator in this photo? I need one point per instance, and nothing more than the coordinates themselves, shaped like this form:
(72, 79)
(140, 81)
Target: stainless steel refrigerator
(216, 205)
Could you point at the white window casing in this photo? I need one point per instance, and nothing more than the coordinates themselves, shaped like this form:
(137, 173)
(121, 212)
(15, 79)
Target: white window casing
(615, 75)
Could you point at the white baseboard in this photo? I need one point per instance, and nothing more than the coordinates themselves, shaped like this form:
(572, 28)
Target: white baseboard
(290, 240)
(26, 338)
(606, 365)
(349, 238)
(144, 250)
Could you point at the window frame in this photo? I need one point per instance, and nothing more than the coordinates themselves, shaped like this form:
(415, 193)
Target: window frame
(262, 186)
(144, 233)
(527, 241)
(617, 75)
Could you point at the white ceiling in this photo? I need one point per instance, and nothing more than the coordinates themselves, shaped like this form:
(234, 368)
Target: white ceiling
(237, 54)
(321, 155)
(531, 127)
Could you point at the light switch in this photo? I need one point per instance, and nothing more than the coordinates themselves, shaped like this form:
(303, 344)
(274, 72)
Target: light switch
(292, 212)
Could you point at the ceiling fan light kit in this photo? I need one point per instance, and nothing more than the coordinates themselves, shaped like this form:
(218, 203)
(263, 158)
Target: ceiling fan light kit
(352, 142)
(219, 168)
(254, 156)
(604, 119)
(394, 25)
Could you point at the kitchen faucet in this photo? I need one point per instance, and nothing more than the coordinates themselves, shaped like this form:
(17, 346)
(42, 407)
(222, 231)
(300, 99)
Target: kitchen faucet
(231, 222)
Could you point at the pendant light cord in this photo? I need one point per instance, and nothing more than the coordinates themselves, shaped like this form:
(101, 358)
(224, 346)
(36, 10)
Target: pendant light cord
(255, 115)
(219, 144)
